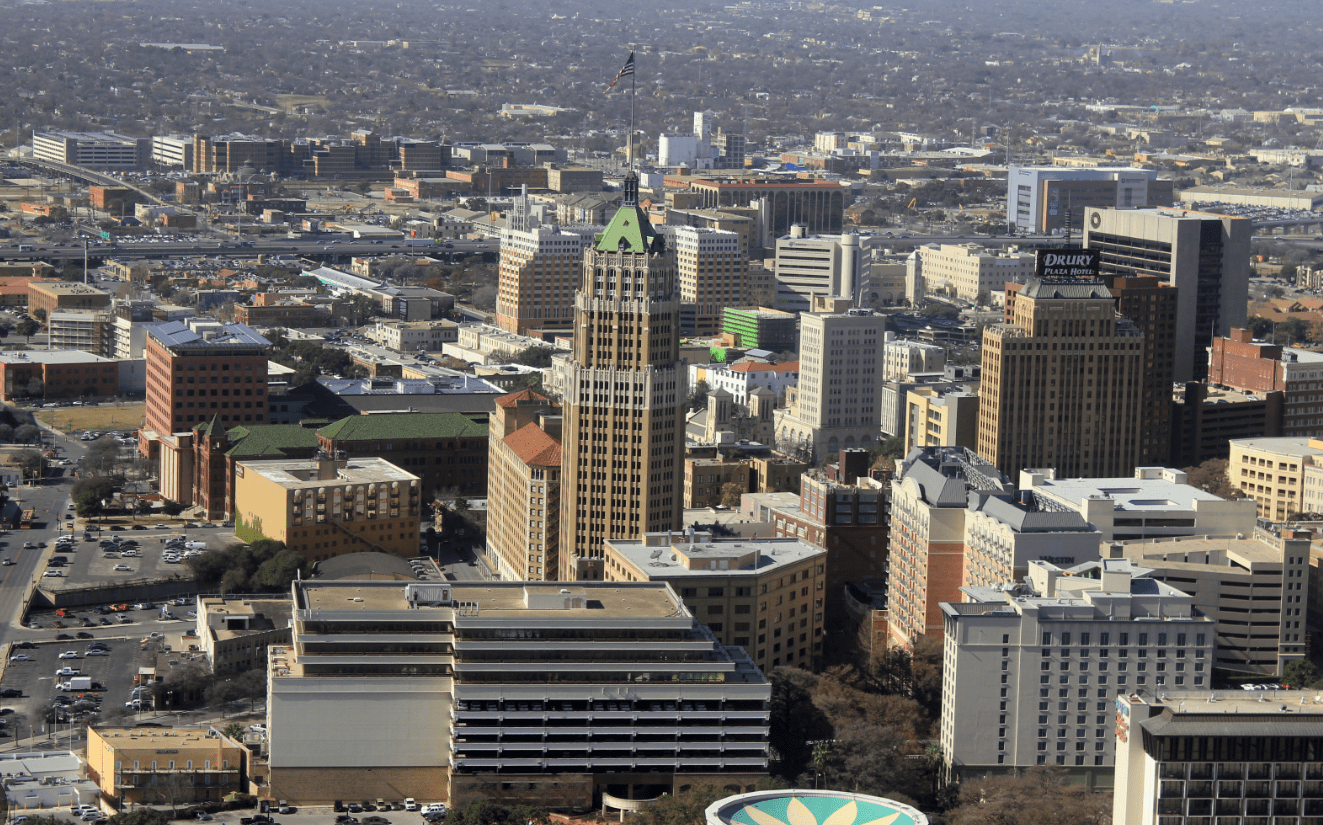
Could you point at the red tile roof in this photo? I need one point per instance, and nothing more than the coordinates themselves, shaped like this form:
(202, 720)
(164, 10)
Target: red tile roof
(534, 447)
(523, 395)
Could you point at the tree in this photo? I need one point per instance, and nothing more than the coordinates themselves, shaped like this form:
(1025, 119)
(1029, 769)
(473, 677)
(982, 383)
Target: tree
(221, 693)
(88, 493)
(484, 812)
(139, 816)
(277, 572)
(1211, 477)
(6, 433)
(252, 683)
(26, 434)
(1301, 674)
(234, 730)
(102, 456)
(40, 314)
(533, 356)
(731, 492)
(698, 397)
(27, 328)
(684, 808)
(35, 388)
(887, 451)
(1041, 796)
(31, 463)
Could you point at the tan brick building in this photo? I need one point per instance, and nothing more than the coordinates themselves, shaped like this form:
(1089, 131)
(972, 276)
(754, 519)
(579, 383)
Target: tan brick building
(523, 499)
(50, 296)
(163, 767)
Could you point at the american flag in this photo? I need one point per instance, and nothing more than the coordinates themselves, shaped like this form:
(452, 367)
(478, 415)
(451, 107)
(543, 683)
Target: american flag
(625, 72)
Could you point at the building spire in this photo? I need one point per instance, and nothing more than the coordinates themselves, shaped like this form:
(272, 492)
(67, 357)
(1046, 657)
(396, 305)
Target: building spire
(631, 189)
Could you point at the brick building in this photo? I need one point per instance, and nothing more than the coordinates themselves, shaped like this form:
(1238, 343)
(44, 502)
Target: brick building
(50, 296)
(57, 374)
(1239, 362)
(286, 314)
(445, 450)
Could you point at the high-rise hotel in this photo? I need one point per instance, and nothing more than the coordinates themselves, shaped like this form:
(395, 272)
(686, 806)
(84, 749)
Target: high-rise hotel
(624, 394)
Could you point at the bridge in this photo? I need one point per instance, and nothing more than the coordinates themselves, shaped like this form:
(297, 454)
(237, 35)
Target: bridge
(86, 175)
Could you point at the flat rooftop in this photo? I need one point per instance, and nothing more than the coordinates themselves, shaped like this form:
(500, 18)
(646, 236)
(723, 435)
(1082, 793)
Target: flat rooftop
(303, 473)
(1126, 493)
(1216, 549)
(66, 356)
(158, 738)
(61, 288)
(1284, 445)
(605, 600)
(740, 556)
(1233, 712)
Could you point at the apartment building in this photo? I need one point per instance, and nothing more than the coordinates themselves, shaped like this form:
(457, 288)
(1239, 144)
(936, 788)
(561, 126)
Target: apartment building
(764, 595)
(1283, 475)
(1256, 589)
(523, 499)
(325, 507)
(1239, 362)
(709, 267)
(539, 271)
(941, 417)
(234, 631)
(202, 371)
(817, 266)
(625, 393)
(1031, 671)
(414, 336)
(1062, 383)
(161, 766)
(929, 496)
(1188, 757)
(973, 273)
(545, 694)
(838, 403)
(902, 358)
(1205, 256)
(1154, 503)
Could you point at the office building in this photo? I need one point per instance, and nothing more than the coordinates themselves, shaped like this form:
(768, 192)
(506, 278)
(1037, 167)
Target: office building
(84, 330)
(731, 150)
(760, 328)
(1205, 256)
(1284, 476)
(764, 595)
(235, 631)
(838, 402)
(1190, 757)
(819, 205)
(1032, 670)
(539, 271)
(172, 151)
(1062, 383)
(902, 358)
(95, 150)
(940, 418)
(929, 497)
(709, 266)
(57, 374)
(324, 507)
(1205, 419)
(624, 394)
(523, 500)
(1004, 533)
(1256, 589)
(972, 273)
(817, 266)
(1154, 503)
(50, 296)
(447, 451)
(1151, 306)
(1239, 362)
(165, 767)
(202, 371)
(1040, 198)
(545, 694)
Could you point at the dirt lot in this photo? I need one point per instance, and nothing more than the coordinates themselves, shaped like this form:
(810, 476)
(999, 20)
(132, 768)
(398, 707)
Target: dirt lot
(68, 419)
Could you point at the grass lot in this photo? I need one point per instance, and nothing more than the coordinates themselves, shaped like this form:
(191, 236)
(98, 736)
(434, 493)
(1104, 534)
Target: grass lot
(69, 419)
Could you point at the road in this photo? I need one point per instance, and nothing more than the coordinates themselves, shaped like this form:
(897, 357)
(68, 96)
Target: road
(321, 247)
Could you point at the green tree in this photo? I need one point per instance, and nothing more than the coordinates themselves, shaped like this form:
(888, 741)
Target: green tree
(40, 314)
(234, 730)
(88, 493)
(484, 812)
(27, 328)
(888, 450)
(698, 397)
(534, 356)
(1301, 674)
(140, 816)
(684, 808)
(731, 492)
(278, 571)
(32, 464)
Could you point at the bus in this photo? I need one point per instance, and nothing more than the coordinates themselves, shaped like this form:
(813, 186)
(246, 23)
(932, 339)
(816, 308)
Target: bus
(25, 521)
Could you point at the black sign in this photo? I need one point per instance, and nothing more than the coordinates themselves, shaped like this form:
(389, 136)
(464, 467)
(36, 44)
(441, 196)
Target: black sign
(1066, 263)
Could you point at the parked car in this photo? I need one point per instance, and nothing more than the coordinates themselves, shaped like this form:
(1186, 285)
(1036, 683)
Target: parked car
(20, 657)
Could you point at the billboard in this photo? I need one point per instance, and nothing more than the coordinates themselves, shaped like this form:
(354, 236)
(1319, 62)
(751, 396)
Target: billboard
(1066, 263)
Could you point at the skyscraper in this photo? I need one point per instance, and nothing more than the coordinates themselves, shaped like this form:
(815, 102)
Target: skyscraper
(710, 264)
(538, 272)
(1205, 256)
(625, 394)
(1062, 383)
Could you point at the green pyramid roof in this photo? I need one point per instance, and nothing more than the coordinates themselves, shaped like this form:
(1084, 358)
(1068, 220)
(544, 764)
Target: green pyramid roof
(630, 225)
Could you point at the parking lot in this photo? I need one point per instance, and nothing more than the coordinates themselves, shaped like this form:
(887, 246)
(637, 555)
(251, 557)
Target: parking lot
(137, 555)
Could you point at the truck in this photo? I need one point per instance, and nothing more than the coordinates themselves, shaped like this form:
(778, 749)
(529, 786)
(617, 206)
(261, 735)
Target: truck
(77, 683)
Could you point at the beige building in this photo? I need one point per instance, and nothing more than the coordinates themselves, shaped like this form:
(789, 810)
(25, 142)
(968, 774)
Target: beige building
(973, 273)
(539, 270)
(941, 418)
(523, 487)
(1284, 476)
(411, 336)
(163, 766)
(324, 507)
(513, 692)
(1257, 590)
(902, 358)
(709, 266)
(624, 394)
(234, 631)
(764, 595)
(1062, 383)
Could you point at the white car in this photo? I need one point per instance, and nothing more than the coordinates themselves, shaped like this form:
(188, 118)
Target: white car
(410, 804)
(123, 567)
(20, 657)
(69, 654)
(96, 651)
(53, 574)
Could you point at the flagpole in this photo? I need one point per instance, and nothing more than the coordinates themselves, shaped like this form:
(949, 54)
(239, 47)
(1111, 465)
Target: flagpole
(632, 90)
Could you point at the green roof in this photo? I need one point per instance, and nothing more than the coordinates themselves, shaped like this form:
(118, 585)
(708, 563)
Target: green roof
(629, 225)
(404, 425)
(271, 441)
